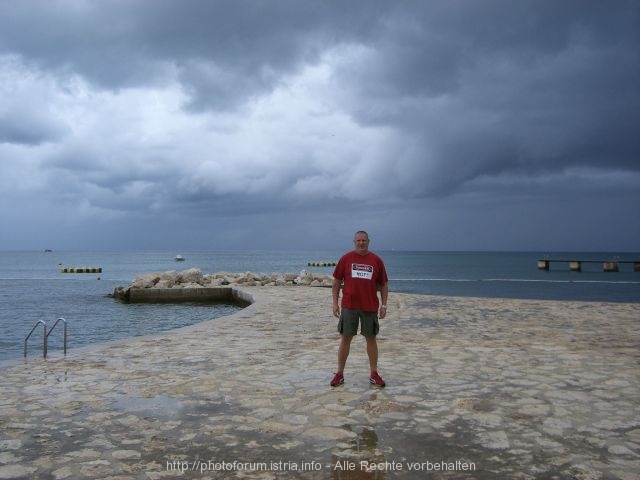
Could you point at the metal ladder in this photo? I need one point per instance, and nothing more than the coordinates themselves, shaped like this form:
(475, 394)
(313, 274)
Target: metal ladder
(45, 335)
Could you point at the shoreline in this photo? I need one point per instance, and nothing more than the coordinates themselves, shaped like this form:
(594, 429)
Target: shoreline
(519, 388)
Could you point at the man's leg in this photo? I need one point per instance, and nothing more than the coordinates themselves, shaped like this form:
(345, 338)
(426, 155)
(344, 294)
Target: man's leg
(343, 351)
(372, 352)
(343, 354)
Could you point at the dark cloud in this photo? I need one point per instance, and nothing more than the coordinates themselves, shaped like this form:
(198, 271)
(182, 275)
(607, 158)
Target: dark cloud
(416, 114)
(495, 87)
(221, 51)
(28, 128)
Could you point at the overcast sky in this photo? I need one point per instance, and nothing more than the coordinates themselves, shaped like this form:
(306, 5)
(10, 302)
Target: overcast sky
(434, 125)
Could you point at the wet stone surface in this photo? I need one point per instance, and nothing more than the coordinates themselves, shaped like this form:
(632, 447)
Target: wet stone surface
(512, 389)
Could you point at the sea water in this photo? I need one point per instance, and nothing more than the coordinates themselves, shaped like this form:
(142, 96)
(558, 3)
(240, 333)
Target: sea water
(33, 288)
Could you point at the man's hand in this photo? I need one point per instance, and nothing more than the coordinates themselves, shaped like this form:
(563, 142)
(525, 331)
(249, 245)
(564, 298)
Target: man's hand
(383, 311)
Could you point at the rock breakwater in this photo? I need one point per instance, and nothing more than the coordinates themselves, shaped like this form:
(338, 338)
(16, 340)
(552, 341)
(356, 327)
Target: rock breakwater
(193, 278)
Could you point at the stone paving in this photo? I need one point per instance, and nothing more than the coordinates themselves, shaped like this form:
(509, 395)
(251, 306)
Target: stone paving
(476, 388)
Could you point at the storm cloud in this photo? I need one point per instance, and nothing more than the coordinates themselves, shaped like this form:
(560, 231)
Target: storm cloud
(290, 124)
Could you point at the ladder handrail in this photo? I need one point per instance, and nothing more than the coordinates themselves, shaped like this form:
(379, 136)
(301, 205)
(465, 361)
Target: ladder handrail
(65, 332)
(45, 335)
(44, 338)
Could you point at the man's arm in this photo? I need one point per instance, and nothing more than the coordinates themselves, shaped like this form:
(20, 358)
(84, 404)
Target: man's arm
(384, 294)
(335, 293)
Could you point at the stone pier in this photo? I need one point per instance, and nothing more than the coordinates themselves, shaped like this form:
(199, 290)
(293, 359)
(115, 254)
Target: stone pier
(476, 389)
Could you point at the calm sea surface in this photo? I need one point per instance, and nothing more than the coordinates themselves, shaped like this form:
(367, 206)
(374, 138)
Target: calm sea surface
(32, 287)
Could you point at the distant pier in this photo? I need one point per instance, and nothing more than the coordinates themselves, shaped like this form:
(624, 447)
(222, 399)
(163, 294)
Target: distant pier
(576, 265)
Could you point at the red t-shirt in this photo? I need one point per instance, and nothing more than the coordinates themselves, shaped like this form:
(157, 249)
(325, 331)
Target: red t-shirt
(361, 274)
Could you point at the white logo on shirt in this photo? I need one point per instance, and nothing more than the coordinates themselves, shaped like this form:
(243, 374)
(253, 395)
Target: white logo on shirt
(359, 270)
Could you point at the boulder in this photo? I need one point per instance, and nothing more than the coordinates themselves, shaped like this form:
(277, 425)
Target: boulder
(305, 278)
(192, 275)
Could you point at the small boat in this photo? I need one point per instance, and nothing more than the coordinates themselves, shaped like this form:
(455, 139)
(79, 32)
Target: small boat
(179, 258)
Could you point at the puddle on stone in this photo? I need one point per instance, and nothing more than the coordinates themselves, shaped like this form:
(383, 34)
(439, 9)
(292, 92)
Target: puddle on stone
(160, 406)
(429, 323)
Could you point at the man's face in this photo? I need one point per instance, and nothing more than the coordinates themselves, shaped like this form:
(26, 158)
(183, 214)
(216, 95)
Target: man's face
(361, 242)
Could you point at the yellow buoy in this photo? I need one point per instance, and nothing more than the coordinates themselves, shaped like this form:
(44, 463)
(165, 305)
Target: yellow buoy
(81, 270)
(321, 264)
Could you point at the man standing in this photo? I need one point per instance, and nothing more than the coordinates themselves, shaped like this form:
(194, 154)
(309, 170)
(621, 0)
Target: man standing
(364, 275)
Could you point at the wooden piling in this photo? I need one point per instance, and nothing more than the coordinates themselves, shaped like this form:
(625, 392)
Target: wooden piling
(543, 264)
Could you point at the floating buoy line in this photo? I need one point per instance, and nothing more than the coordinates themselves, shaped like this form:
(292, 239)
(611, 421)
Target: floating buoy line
(81, 270)
(321, 264)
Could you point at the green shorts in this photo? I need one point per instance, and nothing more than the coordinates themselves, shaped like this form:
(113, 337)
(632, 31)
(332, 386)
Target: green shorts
(349, 319)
